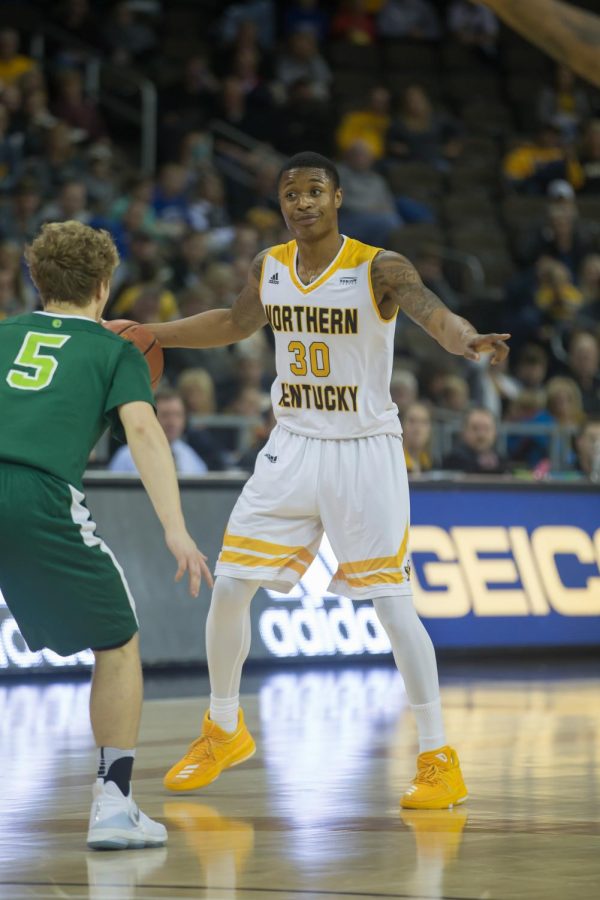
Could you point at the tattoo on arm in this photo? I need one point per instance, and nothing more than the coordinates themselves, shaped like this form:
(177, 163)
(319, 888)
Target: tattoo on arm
(396, 283)
(247, 311)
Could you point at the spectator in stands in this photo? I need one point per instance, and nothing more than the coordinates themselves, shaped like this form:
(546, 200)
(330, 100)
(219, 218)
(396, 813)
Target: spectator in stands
(11, 303)
(562, 235)
(197, 390)
(101, 180)
(528, 408)
(188, 105)
(304, 121)
(11, 261)
(189, 265)
(38, 120)
(20, 220)
(78, 25)
(565, 103)
(557, 298)
(584, 368)
(233, 108)
(587, 444)
(429, 264)
(532, 165)
(78, 111)
(404, 389)
(452, 394)
(353, 23)
(170, 412)
(419, 133)
(208, 203)
(476, 452)
(258, 14)
(247, 401)
(143, 300)
(60, 160)
(170, 200)
(564, 402)
(302, 60)
(531, 369)
(473, 26)
(10, 154)
(589, 159)
(416, 438)
(589, 283)
(126, 39)
(368, 122)
(71, 203)
(369, 209)
(220, 279)
(415, 19)
(305, 15)
(13, 65)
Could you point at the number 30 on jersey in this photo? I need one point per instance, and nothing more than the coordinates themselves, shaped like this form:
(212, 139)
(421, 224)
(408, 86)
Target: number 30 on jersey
(42, 366)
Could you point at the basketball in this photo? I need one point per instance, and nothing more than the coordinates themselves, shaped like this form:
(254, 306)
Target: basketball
(146, 343)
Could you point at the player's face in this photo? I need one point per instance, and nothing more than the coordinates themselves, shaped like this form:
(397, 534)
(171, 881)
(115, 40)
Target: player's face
(309, 203)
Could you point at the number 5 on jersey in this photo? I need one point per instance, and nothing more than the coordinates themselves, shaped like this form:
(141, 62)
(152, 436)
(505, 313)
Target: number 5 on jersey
(42, 366)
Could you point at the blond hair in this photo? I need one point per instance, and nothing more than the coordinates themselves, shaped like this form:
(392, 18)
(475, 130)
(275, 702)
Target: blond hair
(192, 380)
(68, 261)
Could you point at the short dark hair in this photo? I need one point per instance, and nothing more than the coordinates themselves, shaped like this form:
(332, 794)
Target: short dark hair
(309, 160)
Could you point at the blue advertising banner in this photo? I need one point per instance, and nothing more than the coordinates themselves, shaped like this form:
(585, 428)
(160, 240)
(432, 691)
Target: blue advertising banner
(494, 565)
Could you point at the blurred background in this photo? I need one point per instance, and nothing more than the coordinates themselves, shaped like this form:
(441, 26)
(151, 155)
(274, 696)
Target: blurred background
(459, 145)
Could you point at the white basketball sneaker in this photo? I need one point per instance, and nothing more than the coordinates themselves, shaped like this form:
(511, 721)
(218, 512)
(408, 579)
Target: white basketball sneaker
(117, 823)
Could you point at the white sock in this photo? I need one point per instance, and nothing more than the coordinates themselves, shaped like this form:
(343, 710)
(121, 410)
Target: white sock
(224, 712)
(430, 725)
(415, 658)
(227, 646)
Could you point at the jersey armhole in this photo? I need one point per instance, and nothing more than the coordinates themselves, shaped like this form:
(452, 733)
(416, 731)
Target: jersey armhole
(381, 318)
(262, 275)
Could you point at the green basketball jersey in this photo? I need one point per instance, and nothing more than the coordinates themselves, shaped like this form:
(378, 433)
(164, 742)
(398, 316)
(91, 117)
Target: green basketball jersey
(61, 381)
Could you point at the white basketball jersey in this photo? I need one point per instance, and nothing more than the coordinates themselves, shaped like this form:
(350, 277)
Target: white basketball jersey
(334, 351)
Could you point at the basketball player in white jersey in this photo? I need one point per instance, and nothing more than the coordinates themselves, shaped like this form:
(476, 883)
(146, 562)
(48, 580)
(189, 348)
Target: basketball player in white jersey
(333, 463)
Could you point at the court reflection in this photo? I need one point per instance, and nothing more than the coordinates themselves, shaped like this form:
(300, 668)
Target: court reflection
(220, 845)
(116, 875)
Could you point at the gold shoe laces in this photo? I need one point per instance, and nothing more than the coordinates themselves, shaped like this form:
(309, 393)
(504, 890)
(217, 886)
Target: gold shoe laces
(201, 749)
(430, 775)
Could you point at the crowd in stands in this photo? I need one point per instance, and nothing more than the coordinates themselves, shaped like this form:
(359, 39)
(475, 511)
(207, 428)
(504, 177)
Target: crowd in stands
(457, 144)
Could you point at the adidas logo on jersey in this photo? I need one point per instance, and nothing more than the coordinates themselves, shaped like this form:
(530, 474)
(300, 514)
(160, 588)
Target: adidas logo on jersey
(274, 279)
(272, 459)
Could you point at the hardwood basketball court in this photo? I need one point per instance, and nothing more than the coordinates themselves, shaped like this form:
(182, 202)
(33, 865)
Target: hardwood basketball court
(315, 815)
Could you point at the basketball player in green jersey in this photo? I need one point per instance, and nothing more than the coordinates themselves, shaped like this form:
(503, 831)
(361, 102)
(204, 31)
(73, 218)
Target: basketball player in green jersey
(63, 380)
(334, 462)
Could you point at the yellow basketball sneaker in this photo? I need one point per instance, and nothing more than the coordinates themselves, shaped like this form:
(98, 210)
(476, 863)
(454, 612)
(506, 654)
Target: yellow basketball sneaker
(209, 754)
(438, 783)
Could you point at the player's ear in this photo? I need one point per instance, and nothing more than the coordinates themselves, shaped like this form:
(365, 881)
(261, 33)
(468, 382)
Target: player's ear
(339, 196)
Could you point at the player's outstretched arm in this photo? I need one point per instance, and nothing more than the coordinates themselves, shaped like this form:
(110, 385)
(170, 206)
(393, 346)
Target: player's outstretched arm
(218, 327)
(569, 35)
(398, 285)
(154, 460)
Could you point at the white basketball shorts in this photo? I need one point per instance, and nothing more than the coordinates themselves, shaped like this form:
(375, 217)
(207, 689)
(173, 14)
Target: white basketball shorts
(354, 490)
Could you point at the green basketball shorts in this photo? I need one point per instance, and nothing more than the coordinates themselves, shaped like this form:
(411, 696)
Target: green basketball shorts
(60, 581)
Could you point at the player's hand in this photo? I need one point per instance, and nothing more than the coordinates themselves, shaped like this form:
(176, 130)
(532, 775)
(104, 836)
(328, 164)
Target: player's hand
(486, 343)
(189, 559)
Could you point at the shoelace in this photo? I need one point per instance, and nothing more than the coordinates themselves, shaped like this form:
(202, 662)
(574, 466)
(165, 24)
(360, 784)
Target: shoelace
(431, 775)
(201, 749)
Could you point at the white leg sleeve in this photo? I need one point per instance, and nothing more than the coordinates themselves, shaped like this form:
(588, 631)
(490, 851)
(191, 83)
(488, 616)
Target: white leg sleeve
(228, 633)
(415, 658)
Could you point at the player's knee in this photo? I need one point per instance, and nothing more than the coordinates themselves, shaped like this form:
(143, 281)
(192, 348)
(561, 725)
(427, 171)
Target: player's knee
(130, 647)
(233, 591)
